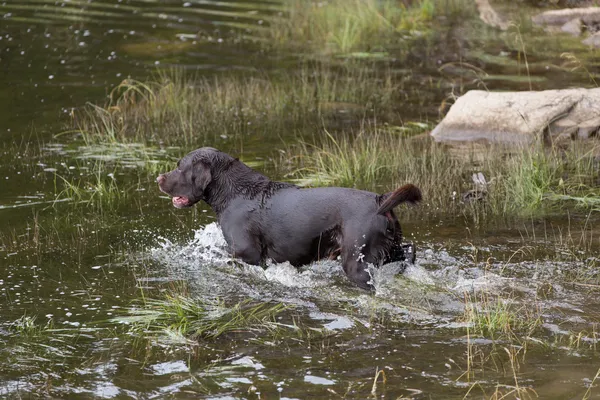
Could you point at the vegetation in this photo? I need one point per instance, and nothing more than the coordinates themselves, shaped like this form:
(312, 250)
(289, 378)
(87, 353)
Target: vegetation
(517, 181)
(356, 28)
(182, 317)
(175, 110)
(500, 318)
(27, 327)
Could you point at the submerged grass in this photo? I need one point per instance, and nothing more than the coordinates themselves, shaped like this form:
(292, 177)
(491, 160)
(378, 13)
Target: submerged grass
(27, 327)
(106, 175)
(180, 317)
(488, 181)
(101, 191)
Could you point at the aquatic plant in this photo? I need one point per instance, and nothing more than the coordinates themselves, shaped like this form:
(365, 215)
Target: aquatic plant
(179, 315)
(515, 389)
(27, 327)
(104, 174)
(102, 190)
(500, 317)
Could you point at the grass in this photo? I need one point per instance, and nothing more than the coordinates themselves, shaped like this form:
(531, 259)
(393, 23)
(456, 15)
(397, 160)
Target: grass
(378, 161)
(180, 317)
(174, 109)
(588, 392)
(500, 318)
(517, 181)
(105, 175)
(353, 27)
(101, 190)
(506, 391)
(27, 327)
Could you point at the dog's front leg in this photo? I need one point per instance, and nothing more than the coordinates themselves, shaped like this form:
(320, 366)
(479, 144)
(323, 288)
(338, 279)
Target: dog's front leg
(356, 268)
(243, 245)
(247, 254)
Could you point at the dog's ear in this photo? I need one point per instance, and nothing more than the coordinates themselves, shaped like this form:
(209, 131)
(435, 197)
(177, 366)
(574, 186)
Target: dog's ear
(202, 176)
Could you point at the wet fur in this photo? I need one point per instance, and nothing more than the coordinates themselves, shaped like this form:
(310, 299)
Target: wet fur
(264, 219)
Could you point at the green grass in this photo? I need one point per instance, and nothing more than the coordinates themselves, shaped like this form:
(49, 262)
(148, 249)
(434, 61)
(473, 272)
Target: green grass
(348, 27)
(521, 181)
(500, 318)
(179, 317)
(28, 327)
(100, 190)
(174, 109)
(105, 174)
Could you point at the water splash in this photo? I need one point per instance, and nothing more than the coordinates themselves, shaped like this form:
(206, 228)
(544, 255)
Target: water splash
(431, 291)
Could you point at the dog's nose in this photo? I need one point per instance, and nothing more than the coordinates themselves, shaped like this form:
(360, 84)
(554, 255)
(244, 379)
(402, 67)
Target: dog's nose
(160, 179)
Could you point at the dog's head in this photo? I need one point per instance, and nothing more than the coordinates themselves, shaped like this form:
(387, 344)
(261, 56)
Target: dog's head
(188, 183)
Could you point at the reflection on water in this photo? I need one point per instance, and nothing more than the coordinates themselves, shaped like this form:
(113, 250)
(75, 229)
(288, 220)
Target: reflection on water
(58, 55)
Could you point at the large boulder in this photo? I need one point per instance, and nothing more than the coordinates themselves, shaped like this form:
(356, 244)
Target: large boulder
(573, 21)
(521, 117)
(558, 18)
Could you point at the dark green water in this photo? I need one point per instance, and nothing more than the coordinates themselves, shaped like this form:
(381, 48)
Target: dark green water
(78, 262)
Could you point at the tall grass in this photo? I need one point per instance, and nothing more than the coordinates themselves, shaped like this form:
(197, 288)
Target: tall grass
(518, 181)
(500, 318)
(174, 109)
(373, 158)
(345, 26)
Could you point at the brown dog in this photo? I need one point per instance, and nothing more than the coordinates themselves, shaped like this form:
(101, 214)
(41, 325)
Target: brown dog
(263, 219)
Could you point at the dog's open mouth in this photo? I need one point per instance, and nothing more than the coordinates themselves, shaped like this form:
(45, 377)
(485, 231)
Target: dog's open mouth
(181, 201)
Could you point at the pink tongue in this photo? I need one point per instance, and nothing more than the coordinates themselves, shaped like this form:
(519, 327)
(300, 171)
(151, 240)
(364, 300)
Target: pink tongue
(180, 201)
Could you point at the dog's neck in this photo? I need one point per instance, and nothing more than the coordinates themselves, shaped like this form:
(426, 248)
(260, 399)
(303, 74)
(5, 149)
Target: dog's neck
(237, 180)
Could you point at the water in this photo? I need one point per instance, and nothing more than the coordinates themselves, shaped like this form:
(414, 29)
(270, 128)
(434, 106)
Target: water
(75, 263)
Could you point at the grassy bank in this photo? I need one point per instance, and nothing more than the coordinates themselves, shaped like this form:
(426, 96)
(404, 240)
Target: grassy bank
(357, 27)
(516, 181)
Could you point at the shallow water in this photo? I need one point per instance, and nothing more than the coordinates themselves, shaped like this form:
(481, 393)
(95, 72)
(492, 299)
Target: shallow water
(76, 262)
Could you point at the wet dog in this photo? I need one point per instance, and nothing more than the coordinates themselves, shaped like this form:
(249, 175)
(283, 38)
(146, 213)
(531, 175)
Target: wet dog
(264, 219)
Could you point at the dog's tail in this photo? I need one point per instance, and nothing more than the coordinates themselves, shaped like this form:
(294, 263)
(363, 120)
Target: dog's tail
(408, 192)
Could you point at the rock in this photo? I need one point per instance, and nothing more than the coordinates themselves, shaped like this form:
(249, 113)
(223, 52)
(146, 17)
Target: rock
(558, 18)
(573, 27)
(593, 40)
(588, 129)
(489, 16)
(521, 117)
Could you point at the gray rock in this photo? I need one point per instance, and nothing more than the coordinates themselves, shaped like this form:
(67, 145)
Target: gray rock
(521, 117)
(593, 40)
(558, 18)
(573, 27)
(490, 16)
